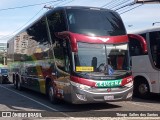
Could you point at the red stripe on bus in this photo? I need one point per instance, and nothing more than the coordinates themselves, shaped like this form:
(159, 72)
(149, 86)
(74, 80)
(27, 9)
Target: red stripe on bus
(74, 37)
(83, 81)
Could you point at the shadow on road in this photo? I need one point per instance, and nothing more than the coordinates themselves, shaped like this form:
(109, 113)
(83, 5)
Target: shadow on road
(153, 98)
(17, 102)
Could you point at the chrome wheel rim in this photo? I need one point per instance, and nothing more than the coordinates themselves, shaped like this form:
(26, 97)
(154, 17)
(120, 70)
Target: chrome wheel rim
(143, 89)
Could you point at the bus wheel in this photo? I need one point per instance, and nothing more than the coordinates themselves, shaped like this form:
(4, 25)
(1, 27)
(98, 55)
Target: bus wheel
(142, 89)
(51, 94)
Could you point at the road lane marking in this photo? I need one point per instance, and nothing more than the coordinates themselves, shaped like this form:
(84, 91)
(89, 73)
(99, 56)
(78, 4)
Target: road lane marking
(37, 102)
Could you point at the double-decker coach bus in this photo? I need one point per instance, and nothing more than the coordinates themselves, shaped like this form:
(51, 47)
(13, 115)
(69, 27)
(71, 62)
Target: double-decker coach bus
(145, 52)
(78, 54)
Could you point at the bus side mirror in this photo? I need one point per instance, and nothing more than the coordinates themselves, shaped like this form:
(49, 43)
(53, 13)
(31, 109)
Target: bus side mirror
(137, 38)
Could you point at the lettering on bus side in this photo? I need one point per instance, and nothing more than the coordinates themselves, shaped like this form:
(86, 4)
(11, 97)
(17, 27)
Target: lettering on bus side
(109, 83)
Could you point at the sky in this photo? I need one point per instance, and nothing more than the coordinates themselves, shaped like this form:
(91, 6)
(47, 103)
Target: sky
(13, 20)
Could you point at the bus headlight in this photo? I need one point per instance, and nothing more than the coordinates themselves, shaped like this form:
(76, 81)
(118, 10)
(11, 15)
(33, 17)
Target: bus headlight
(80, 86)
(81, 97)
(130, 84)
(127, 82)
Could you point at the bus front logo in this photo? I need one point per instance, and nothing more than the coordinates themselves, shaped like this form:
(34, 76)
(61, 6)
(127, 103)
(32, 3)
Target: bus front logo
(109, 90)
(104, 39)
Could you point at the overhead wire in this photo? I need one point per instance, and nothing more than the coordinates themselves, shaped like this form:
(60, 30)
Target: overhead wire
(126, 5)
(58, 3)
(111, 4)
(121, 5)
(124, 8)
(67, 2)
(108, 3)
(28, 5)
(11, 34)
(131, 9)
(116, 3)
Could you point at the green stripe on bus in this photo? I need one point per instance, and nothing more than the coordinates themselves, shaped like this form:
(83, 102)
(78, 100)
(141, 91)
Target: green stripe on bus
(108, 83)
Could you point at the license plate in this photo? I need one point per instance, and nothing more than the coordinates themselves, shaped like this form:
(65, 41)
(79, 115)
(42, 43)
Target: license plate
(111, 97)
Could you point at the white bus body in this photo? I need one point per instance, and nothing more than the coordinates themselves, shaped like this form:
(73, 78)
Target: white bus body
(145, 63)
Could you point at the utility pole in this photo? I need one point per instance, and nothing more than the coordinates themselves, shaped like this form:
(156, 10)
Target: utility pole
(4, 57)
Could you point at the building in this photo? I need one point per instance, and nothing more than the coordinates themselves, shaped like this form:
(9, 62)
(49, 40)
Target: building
(3, 51)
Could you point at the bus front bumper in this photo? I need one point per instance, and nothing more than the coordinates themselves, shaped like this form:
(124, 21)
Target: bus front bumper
(80, 96)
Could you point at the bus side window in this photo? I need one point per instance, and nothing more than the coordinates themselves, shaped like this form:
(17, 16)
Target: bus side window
(56, 23)
(62, 55)
(143, 35)
(59, 57)
(155, 47)
(68, 56)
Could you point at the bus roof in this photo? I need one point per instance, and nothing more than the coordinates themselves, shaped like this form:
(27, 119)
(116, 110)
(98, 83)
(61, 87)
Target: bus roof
(59, 8)
(150, 29)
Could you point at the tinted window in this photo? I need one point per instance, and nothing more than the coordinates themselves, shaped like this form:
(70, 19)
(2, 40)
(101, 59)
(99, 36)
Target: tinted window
(38, 43)
(61, 52)
(38, 31)
(56, 23)
(154, 38)
(143, 35)
(135, 47)
(95, 22)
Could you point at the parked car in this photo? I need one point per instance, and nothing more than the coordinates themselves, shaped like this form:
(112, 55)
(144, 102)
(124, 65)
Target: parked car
(4, 75)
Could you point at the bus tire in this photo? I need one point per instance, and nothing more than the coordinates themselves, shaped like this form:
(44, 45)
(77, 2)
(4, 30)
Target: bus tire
(51, 94)
(141, 89)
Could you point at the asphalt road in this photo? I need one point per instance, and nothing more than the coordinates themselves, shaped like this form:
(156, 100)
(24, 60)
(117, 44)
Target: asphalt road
(27, 102)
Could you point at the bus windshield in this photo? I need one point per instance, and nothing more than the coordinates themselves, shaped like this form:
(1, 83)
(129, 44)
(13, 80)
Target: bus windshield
(95, 22)
(95, 57)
